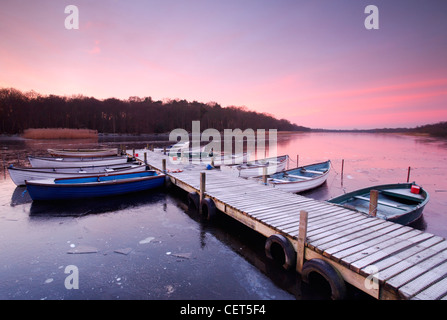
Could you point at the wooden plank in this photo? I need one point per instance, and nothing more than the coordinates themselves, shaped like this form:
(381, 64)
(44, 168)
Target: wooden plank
(255, 212)
(402, 256)
(240, 196)
(434, 292)
(382, 245)
(342, 255)
(251, 202)
(270, 213)
(334, 231)
(346, 235)
(293, 205)
(238, 193)
(417, 270)
(323, 220)
(328, 225)
(295, 211)
(410, 261)
(331, 222)
(363, 238)
(424, 281)
(273, 215)
(326, 222)
(333, 247)
(387, 251)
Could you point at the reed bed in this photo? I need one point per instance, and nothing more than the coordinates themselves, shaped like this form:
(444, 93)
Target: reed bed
(60, 133)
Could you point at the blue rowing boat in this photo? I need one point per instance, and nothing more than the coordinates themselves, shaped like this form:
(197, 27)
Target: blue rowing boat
(94, 186)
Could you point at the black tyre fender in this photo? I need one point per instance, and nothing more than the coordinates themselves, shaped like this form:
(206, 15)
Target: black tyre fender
(287, 247)
(209, 208)
(193, 200)
(332, 276)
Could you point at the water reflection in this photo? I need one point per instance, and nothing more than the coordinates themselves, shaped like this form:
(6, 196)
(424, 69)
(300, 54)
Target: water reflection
(78, 208)
(20, 196)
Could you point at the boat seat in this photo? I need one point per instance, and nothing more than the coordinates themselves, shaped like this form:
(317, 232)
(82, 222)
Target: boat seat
(384, 203)
(299, 177)
(312, 171)
(404, 194)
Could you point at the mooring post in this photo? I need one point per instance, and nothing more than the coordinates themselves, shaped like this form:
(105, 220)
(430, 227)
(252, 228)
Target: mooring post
(202, 189)
(145, 157)
(342, 169)
(408, 174)
(373, 200)
(302, 234)
(297, 160)
(264, 175)
(163, 165)
(164, 150)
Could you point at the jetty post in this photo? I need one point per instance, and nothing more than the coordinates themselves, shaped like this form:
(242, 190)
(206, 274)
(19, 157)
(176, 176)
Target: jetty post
(373, 201)
(302, 234)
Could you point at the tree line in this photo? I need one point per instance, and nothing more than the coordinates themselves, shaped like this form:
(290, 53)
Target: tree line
(20, 111)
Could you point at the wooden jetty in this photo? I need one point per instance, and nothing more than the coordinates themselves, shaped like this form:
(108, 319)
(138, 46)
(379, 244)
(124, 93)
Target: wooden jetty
(384, 259)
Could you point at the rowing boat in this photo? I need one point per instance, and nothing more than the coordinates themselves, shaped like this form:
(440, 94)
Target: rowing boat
(75, 162)
(19, 175)
(402, 203)
(94, 186)
(201, 157)
(300, 179)
(178, 146)
(103, 152)
(257, 167)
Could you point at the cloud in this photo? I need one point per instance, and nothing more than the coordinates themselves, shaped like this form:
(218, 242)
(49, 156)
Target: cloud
(96, 49)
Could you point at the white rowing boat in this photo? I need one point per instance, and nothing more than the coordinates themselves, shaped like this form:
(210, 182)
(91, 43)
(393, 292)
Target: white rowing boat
(300, 179)
(256, 167)
(52, 162)
(77, 153)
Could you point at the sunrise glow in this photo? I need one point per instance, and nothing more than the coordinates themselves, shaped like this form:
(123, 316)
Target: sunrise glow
(311, 62)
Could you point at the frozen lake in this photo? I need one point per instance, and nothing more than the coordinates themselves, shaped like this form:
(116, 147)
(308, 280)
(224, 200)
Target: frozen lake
(150, 246)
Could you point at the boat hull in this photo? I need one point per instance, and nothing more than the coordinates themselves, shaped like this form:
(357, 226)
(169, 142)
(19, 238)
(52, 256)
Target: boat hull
(75, 162)
(83, 188)
(20, 175)
(396, 202)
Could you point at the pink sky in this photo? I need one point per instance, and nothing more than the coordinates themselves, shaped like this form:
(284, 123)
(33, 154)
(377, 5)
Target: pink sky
(311, 62)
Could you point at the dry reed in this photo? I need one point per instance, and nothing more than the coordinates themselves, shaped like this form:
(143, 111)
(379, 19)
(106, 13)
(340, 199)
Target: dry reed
(60, 133)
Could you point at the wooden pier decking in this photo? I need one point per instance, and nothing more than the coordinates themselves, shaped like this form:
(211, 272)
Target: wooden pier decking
(384, 259)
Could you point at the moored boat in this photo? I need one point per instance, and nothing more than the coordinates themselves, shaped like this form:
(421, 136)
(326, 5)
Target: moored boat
(402, 203)
(178, 146)
(256, 167)
(75, 162)
(19, 175)
(94, 186)
(300, 179)
(102, 152)
(201, 157)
